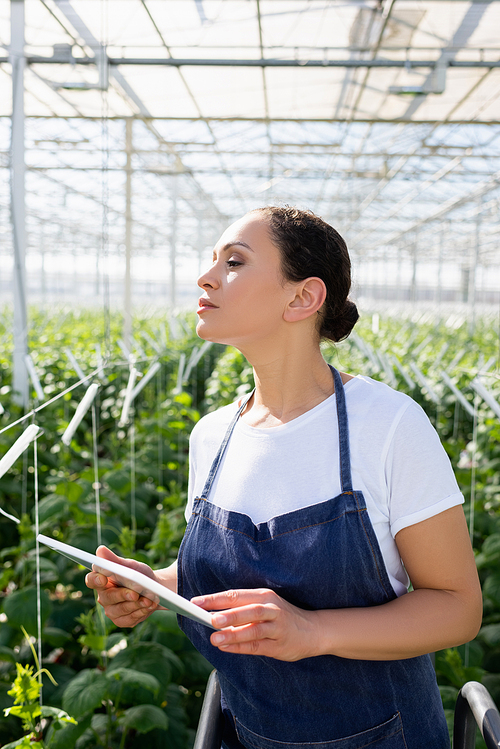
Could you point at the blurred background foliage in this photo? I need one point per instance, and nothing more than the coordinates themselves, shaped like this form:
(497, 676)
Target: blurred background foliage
(120, 684)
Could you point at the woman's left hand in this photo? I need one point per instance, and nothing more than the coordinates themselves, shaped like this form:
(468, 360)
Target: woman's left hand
(259, 622)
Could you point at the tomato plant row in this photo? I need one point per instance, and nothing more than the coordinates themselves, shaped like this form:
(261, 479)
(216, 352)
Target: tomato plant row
(120, 684)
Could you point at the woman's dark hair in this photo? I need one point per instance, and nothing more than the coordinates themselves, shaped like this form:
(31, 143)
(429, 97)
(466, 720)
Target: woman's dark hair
(311, 247)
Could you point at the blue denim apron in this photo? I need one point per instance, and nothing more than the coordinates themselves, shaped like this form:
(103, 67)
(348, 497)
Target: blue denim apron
(325, 556)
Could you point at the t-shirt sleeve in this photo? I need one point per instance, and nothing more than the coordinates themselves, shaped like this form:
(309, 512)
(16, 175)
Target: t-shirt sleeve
(418, 472)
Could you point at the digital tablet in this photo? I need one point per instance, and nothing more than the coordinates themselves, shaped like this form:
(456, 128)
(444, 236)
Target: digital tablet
(128, 578)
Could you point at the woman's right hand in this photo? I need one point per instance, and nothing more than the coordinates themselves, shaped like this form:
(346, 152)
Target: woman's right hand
(123, 606)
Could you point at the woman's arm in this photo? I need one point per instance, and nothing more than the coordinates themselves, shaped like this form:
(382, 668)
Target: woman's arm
(123, 606)
(443, 610)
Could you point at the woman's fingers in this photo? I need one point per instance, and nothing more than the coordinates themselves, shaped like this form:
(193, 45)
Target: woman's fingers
(258, 622)
(129, 613)
(229, 599)
(96, 580)
(125, 607)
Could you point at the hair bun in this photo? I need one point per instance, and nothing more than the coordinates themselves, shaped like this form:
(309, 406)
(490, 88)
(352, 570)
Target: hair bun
(339, 327)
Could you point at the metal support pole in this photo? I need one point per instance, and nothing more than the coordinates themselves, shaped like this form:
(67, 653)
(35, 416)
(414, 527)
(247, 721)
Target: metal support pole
(127, 307)
(473, 271)
(173, 245)
(43, 278)
(201, 247)
(413, 291)
(17, 170)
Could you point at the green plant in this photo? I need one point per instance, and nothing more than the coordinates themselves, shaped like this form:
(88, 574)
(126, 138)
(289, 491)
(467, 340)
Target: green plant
(142, 472)
(26, 692)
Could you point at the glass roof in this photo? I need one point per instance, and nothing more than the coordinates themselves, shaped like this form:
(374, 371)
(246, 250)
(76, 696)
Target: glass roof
(381, 116)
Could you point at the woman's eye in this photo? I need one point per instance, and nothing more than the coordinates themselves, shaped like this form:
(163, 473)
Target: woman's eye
(233, 263)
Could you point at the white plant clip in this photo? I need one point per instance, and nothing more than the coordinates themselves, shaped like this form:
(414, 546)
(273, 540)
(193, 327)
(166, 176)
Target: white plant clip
(11, 517)
(456, 359)
(124, 349)
(100, 364)
(151, 341)
(149, 374)
(75, 364)
(128, 397)
(34, 377)
(441, 353)
(80, 412)
(180, 374)
(404, 374)
(458, 395)
(195, 357)
(486, 395)
(19, 446)
(173, 327)
(424, 382)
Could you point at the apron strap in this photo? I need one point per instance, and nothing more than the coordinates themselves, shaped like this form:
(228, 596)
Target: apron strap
(345, 456)
(222, 449)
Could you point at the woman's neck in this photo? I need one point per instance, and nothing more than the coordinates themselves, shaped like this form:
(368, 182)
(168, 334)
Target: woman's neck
(287, 387)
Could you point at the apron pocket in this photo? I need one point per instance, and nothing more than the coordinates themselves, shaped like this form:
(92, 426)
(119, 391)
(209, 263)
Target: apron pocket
(388, 735)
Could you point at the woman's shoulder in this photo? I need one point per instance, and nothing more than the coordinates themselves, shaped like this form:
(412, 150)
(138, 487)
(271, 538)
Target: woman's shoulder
(381, 404)
(363, 387)
(214, 421)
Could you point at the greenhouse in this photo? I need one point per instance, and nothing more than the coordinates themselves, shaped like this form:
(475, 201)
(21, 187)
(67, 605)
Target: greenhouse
(132, 134)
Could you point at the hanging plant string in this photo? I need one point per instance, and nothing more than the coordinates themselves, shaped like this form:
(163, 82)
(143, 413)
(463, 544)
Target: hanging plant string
(133, 519)
(97, 485)
(54, 399)
(37, 556)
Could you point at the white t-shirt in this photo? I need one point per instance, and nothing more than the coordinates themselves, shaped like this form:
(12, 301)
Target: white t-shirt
(397, 461)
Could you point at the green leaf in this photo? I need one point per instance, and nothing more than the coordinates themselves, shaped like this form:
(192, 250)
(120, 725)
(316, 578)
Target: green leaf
(133, 678)
(184, 399)
(448, 696)
(144, 718)
(26, 687)
(491, 588)
(118, 480)
(24, 742)
(66, 737)
(93, 642)
(25, 712)
(54, 506)
(55, 636)
(57, 714)
(149, 657)
(490, 635)
(85, 692)
(100, 723)
(21, 609)
(70, 489)
(6, 654)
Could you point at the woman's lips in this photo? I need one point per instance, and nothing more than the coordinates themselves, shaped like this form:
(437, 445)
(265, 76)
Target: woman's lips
(204, 304)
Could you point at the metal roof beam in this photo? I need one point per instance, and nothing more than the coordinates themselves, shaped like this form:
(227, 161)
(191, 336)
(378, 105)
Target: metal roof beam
(195, 102)
(449, 206)
(408, 198)
(297, 120)
(469, 23)
(80, 27)
(178, 62)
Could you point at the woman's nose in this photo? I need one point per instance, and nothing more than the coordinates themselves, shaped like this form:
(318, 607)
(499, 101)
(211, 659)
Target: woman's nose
(208, 280)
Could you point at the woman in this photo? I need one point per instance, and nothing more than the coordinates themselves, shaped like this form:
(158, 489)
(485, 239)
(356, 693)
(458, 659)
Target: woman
(311, 503)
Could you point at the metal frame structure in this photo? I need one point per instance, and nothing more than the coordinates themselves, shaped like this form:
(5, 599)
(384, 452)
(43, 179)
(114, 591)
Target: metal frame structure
(474, 709)
(133, 131)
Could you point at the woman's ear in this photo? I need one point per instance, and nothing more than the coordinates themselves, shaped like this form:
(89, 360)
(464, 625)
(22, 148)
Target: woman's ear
(309, 298)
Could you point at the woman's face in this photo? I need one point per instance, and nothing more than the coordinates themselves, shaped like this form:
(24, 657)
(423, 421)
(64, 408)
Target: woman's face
(244, 295)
